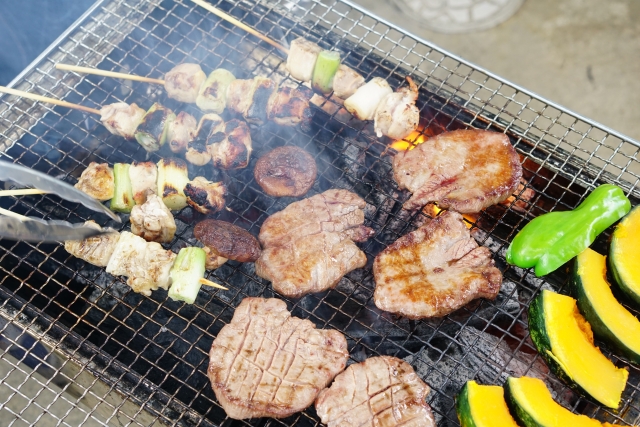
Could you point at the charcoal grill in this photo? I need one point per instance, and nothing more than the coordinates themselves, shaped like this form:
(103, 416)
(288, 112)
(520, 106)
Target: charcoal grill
(124, 359)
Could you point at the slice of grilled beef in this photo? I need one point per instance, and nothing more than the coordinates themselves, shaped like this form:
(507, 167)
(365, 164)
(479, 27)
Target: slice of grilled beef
(266, 363)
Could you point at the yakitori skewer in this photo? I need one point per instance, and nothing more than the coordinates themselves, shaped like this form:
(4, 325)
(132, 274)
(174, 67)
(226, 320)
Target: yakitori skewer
(54, 101)
(21, 192)
(105, 73)
(7, 212)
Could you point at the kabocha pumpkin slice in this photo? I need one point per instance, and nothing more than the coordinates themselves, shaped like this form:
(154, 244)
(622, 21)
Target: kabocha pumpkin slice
(565, 341)
(532, 405)
(483, 406)
(623, 256)
(609, 320)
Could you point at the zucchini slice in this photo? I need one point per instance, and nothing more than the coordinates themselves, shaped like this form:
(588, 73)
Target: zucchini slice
(532, 405)
(623, 256)
(565, 341)
(483, 406)
(610, 321)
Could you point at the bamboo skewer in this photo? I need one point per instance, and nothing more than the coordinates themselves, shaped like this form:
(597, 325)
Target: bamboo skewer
(13, 215)
(212, 284)
(239, 24)
(21, 192)
(98, 72)
(54, 101)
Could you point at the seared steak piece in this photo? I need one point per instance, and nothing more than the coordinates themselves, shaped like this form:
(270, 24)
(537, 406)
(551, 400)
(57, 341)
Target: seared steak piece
(381, 391)
(463, 170)
(227, 240)
(308, 246)
(286, 171)
(266, 363)
(434, 270)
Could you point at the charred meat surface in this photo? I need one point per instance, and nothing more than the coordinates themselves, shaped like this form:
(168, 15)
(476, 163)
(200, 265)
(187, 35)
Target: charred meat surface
(97, 181)
(210, 129)
(122, 119)
(144, 178)
(234, 149)
(289, 106)
(463, 170)
(153, 220)
(205, 196)
(309, 246)
(227, 240)
(183, 82)
(381, 391)
(94, 250)
(266, 363)
(434, 270)
(302, 59)
(181, 131)
(397, 114)
(256, 112)
(286, 171)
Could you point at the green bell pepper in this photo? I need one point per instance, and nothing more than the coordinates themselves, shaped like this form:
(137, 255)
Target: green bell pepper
(552, 239)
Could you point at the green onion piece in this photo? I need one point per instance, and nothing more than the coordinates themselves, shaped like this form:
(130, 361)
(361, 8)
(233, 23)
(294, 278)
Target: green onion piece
(173, 176)
(152, 131)
(186, 273)
(326, 66)
(122, 195)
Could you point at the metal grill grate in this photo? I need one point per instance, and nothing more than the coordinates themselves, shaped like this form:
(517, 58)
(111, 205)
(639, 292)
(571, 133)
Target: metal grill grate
(118, 358)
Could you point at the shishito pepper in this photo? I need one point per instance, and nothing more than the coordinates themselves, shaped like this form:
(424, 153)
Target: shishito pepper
(552, 239)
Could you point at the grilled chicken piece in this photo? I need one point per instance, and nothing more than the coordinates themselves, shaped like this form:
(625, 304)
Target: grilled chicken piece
(210, 129)
(364, 102)
(213, 260)
(256, 112)
(94, 250)
(146, 264)
(213, 92)
(122, 119)
(286, 171)
(302, 59)
(227, 240)
(308, 246)
(434, 270)
(183, 82)
(143, 176)
(153, 221)
(266, 363)
(346, 82)
(289, 106)
(463, 170)
(97, 181)
(397, 115)
(205, 196)
(240, 95)
(381, 391)
(234, 150)
(181, 132)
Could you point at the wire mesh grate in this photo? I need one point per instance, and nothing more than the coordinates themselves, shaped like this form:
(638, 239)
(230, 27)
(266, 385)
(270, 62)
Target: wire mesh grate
(126, 359)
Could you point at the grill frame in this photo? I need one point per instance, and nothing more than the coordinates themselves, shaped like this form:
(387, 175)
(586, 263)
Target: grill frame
(561, 148)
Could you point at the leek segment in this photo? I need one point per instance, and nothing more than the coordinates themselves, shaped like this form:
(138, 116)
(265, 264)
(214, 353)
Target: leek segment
(186, 273)
(325, 70)
(173, 176)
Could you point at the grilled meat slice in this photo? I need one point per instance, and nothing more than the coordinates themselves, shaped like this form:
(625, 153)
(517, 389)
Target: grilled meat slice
(234, 150)
(308, 246)
(463, 170)
(183, 82)
(286, 171)
(227, 240)
(346, 82)
(181, 132)
(97, 181)
(381, 391)
(122, 119)
(397, 115)
(153, 220)
(240, 95)
(302, 59)
(289, 106)
(205, 196)
(434, 270)
(146, 264)
(266, 363)
(144, 177)
(256, 112)
(94, 250)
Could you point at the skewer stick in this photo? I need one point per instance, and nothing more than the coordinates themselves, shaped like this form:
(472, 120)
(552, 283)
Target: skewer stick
(239, 24)
(98, 72)
(49, 100)
(22, 192)
(212, 284)
(13, 214)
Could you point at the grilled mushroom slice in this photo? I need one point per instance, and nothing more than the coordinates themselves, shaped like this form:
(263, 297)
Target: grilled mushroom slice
(97, 181)
(122, 119)
(182, 130)
(228, 240)
(213, 93)
(205, 196)
(183, 82)
(286, 171)
(153, 129)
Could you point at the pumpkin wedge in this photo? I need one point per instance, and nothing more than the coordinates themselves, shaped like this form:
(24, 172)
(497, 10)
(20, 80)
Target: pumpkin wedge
(610, 321)
(532, 405)
(623, 256)
(565, 341)
(483, 406)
